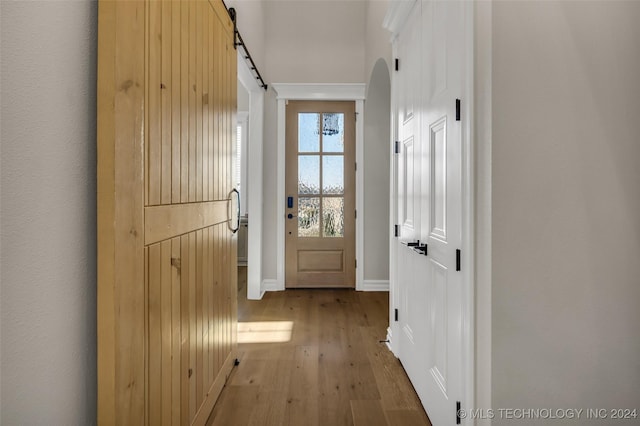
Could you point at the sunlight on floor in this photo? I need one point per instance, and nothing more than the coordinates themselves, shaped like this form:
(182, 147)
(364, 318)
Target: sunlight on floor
(265, 331)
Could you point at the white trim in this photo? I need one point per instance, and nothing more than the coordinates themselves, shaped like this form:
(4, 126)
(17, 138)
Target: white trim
(320, 91)
(254, 174)
(243, 121)
(390, 340)
(329, 92)
(468, 212)
(271, 285)
(394, 302)
(375, 285)
(483, 245)
(280, 191)
(397, 14)
(360, 195)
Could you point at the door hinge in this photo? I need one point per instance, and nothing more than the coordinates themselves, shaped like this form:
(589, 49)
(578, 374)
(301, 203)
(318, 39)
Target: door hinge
(397, 64)
(356, 214)
(396, 314)
(396, 230)
(458, 412)
(457, 109)
(457, 259)
(396, 147)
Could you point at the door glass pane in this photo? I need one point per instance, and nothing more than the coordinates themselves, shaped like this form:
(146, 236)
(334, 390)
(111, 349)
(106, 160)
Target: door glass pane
(332, 132)
(308, 174)
(333, 174)
(333, 216)
(308, 132)
(309, 217)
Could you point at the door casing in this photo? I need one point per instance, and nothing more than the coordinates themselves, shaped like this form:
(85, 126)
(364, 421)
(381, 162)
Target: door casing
(322, 92)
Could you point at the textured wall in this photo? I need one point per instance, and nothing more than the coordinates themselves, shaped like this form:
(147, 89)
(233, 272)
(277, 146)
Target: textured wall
(566, 206)
(48, 276)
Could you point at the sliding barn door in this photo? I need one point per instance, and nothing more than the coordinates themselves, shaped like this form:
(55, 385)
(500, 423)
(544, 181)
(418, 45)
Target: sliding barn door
(166, 252)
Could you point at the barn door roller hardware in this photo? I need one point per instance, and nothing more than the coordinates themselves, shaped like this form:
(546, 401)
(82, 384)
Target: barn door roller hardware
(239, 42)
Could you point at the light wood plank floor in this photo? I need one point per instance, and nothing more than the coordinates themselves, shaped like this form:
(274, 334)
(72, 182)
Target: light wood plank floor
(321, 363)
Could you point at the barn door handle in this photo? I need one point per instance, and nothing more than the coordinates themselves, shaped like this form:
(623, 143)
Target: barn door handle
(234, 230)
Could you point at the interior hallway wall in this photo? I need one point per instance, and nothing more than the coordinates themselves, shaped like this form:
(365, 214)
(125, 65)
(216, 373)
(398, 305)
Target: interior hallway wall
(48, 212)
(319, 42)
(250, 19)
(377, 128)
(377, 39)
(314, 41)
(566, 206)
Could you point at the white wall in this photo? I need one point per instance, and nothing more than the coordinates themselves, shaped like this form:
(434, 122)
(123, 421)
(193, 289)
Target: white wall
(315, 41)
(322, 41)
(377, 39)
(377, 127)
(269, 186)
(250, 22)
(48, 229)
(566, 205)
(243, 98)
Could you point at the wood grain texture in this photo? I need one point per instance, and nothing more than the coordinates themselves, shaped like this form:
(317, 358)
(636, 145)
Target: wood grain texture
(162, 222)
(367, 412)
(332, 370)
(166, 315)
(121, 276)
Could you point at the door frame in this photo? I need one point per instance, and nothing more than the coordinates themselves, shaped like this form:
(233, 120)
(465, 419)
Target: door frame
(476, 375)
(254, 174)
(316, 92)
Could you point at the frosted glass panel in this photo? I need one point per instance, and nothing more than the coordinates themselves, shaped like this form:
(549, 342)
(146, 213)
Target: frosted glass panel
(333, 174)
(308, 174)
(309, 217)
(308, 132)
(332, 132)
(333, 216)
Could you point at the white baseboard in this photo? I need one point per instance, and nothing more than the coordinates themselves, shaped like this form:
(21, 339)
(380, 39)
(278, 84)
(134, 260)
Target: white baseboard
(390, 340)
(271, 285)
(375, 285)
(367, 285)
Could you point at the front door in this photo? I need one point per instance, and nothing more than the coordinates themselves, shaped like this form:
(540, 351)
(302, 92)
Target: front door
(320, 194)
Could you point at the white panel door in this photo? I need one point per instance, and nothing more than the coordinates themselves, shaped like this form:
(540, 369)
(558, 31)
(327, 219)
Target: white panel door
(409, 162)
(412, 317)
(443, 30)
(429, 178)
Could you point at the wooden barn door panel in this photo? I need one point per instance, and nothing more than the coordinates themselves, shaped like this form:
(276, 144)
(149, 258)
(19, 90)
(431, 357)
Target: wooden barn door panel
(166, 255)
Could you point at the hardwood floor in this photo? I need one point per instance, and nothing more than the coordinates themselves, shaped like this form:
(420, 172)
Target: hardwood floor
(314, 357)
